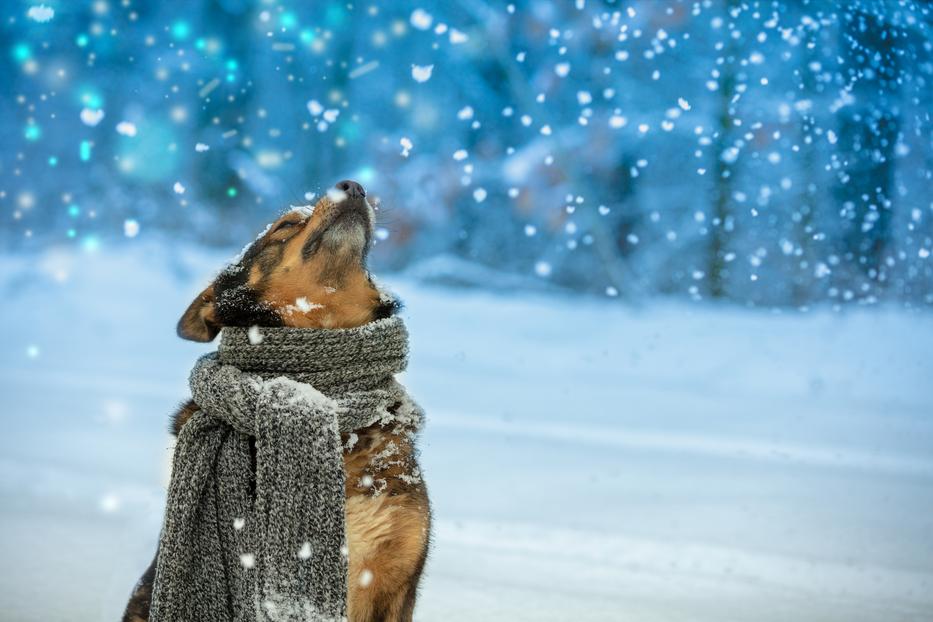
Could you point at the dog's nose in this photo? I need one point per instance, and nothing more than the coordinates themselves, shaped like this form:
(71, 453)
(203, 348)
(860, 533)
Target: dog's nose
(351, 188)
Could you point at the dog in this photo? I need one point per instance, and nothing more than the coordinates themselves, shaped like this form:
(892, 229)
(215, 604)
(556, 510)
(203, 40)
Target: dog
(320, 255)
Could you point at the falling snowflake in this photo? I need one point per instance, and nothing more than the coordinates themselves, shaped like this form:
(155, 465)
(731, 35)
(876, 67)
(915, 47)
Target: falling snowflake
(110, 503)
(421, 19)
(421, 73)
(126, 128)
(315, 108)
(457, 37)
(40, 13)
(130, 228)
(407, 146)
(305, 551)
(91, 117)
(336, 195)
(616, 121)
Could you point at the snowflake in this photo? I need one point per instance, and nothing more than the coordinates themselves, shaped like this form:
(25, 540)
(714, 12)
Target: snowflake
(126, 128)
(421, 73)
(40, 13)
(421, 19)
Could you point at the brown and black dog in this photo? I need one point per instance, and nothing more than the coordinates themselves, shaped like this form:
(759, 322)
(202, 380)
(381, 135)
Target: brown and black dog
(321, 257)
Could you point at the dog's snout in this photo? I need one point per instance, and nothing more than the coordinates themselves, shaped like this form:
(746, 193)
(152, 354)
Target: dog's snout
(351, 188)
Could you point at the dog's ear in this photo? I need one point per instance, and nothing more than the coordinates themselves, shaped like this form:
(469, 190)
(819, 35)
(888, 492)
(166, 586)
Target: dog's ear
(199, 322)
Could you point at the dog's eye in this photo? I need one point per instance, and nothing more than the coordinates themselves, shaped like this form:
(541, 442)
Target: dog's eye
(285, 224)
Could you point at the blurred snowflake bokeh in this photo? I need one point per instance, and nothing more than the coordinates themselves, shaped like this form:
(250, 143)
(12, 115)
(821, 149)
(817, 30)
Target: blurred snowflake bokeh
(761, 151)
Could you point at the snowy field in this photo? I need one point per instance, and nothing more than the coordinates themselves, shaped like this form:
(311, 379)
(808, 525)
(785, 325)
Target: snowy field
(587, 460)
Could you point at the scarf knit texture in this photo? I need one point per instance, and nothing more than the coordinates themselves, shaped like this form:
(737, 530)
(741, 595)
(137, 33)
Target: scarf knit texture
(259, 534)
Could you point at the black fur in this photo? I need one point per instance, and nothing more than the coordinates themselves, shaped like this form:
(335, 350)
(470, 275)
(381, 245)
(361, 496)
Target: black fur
(236, 302)
(138, 608)
(387, 308)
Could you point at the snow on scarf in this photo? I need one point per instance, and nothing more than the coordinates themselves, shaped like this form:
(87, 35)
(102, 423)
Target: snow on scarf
(262, 537)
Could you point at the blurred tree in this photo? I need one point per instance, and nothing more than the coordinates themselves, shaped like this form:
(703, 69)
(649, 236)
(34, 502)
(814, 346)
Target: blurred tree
(868, 131)
(706, 130)
(723, 223)
(225, 95)
(805, 207)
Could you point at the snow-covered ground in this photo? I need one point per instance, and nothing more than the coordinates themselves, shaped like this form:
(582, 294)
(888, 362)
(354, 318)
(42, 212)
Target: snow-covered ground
(586, 460)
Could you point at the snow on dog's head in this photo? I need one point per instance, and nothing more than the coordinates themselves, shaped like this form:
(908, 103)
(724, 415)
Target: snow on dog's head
(306, 269)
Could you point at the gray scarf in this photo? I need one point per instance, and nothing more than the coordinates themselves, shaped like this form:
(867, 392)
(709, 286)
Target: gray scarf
(260, 534)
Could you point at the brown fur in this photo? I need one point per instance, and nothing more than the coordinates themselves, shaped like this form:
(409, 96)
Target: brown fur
(387, 510)
(347, 298)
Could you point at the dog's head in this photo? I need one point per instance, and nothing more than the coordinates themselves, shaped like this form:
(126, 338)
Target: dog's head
(308, 269)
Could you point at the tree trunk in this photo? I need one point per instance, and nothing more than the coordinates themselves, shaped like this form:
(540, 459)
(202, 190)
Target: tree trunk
(721, 223)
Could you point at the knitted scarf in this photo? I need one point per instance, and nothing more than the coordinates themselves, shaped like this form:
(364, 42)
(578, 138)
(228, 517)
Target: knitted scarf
(256, 530)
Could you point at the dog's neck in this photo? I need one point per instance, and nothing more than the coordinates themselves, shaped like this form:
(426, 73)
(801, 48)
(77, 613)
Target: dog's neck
(331, 360)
